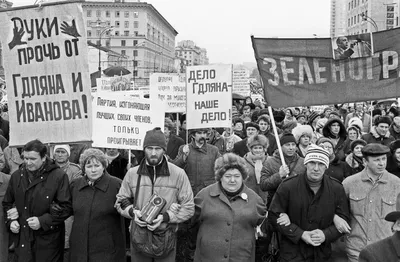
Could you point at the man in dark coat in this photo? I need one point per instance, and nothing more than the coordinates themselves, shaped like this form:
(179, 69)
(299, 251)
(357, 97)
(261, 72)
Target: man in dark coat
(173, 141)
(240, 148)
(309, 202)
(36, 204)
(387, 249)
(5, 128)
(380, 132)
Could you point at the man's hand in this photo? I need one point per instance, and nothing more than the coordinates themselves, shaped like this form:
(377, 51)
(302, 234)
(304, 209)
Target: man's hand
(186, 151)
(341, 225)
(175, 207)
(12, 214)
(137, 219)
(33, 222)
(317, 236)
(14, 227)
(284, 171)
(283, 219)
(125, 202)
(306, 237)
(156, 223)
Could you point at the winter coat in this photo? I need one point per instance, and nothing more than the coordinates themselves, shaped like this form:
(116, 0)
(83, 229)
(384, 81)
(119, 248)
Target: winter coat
(387, 249)
(4, 179)
(272, 143)
(353, 167)
(219, 142)
(338, 170)
(77, 150)
(199, 165)
(227, 228)
(374, 137)
(5, 128)
(97, 229)
(12, 159)
(240, 148)
(72, 170)
(366, 121)
(117, 167)
(270, 178)
(251, 180)
(342, 136)
(174, 142)
(393, 166)
(33, 199)
(308, 211)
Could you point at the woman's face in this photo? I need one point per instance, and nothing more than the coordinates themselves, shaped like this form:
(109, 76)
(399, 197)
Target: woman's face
(357, 150)
(264, 126)
(304, 140)
(397, 154)
(232, 180)
(353, 134)
(257, 150)
(94, 169)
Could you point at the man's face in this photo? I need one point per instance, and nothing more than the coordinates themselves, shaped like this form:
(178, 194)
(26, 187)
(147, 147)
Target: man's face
(246, 112)
(200, 137)
(335, 128)
(167, 132)
(376, 164)
(112, 151)
(296, 111)
(315, 171)
(359, 107)
(251, 131)
(263, 125)
(154, 154)
(382, 128)
(60, 155)
(33, 160)
(301, 120)
(289, 149)
(396, 122)
(328, 147)
(238, 126)
(343, 42)
(328, 112)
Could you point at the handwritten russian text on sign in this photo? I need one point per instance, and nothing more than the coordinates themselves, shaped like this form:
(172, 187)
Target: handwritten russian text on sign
(169, 89)
(209, 96)
(241, 82)
(120, 121)
(299, 72)
(47, 74)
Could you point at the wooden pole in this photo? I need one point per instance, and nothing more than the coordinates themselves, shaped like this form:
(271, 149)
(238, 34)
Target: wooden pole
(278, 143)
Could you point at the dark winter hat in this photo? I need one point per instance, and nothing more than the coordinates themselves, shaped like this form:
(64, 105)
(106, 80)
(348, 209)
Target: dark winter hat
(376, 112)
(287, 138)
(182, 118)
(312, 117)
(356, 143)
(394, 111)
(334, 113)
(279, 116)
(375, 149)
(382, 119)
(252, 124)
(323, 140)
(394, 146)
(395, 215)
(155, 138)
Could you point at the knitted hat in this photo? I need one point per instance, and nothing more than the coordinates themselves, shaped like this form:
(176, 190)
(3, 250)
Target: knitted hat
(65, 147)
(155, 138)
(312, 117)
(252, 124)
(356, 143)
(334, 113)
(323, 140)
(300, 115)
(287, 138)
(355, 121)
(257, 140)
(317, 154)
(302, 130)
(394, 146)
(382, 119)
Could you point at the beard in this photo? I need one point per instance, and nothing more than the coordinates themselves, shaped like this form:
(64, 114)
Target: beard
(154, 160)
(202, 140)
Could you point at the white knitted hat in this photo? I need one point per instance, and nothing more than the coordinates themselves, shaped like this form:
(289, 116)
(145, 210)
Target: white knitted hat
(317, 154)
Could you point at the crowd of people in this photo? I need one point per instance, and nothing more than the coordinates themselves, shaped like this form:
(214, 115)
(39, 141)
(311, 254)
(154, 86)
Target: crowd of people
(329, 192)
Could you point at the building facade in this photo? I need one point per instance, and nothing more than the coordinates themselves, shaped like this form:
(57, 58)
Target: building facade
(193, 54)
(135, 30)
(3, 5)
(362, 16)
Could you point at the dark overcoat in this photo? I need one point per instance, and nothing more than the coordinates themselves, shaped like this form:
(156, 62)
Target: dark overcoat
(387, 249)
(4, 179)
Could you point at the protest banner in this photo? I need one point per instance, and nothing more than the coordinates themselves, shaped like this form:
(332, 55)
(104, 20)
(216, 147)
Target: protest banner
(209, 96)
(241, 82)
(120, 83)
(170, 89)
(103, 84)
(48, 82)
(120, 121)
(301, 72)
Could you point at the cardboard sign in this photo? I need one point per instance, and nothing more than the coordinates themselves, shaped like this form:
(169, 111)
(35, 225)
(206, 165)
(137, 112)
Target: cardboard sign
(170, 89)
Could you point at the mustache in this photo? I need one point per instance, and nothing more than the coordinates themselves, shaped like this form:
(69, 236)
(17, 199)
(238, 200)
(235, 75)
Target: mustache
(203, 139)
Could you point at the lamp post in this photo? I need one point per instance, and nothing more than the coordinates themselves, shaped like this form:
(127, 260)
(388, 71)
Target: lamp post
(107, 29)
(368, 19)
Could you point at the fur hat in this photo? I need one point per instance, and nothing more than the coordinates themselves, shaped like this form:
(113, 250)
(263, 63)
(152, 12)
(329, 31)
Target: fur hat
(155, 138)
(357, 142)
(302, 130)
(394, 146)
(376, 112)
(355, 121)
(278, 116)
(394, 111)
(65, 147)
(317, 154)
(382, 119)
(257, 140)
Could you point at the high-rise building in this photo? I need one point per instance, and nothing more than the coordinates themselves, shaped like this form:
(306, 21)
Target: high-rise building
(193, 54)
(350, 17)
(3, 5)
(134, 29)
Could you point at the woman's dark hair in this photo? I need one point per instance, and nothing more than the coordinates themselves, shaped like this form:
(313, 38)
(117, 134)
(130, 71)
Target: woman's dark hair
(37, 146)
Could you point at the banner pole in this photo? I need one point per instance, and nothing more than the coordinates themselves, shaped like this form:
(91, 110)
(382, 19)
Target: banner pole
(177, 126)
(371, 117)
(129, 157)
(278, 143)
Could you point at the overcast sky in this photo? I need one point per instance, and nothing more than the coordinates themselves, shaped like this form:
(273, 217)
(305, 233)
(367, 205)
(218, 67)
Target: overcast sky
(224, 27)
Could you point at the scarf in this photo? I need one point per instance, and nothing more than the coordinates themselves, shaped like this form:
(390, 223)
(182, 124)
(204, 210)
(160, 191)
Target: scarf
(258, 164)
(357, 160)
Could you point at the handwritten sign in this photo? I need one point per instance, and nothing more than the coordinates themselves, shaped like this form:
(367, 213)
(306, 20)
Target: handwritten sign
(170, 89)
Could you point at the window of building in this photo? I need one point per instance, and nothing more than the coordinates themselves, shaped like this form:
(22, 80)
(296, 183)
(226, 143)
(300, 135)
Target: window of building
(126, 33)
(107, 43)
(98, 42)
(135, 72)
(126, 24)
(123, 43)
(89, 23)
(98, 32)
(116, 33)
(136, 14)
(351, 20)
(389, 22)
(116, 13)
(89, 33)
(390, 8)
(390, 15)
(98, 13)
(108, 32)
(126, 14)
(135, 42)
(136, 33)
(108, 23)
(107, 13)
(123, 52)
(116, 24)
(135, 52)
(358, 18)
(136, 24)
(89, 13)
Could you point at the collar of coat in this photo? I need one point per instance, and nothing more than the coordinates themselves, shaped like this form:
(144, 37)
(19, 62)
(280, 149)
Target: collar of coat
(161, 169)
(396, 242)
(383, 179)
(375, 134)
(102, 184)
(202, 149)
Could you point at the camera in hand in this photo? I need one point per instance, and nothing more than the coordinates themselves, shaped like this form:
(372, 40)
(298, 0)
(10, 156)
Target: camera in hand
(153, 208)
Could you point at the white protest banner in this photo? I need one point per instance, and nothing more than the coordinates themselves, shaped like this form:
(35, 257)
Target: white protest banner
(170, 89)
(120, 121)
(47, 73)
(120, 83)
(209, 96)
(103, 84)
(241, 82)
